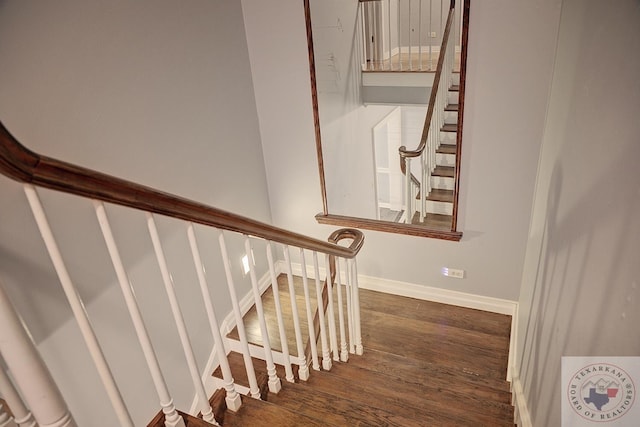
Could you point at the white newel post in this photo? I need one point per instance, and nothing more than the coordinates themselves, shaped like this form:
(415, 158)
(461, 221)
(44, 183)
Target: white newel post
(21, 414)
(29, 371)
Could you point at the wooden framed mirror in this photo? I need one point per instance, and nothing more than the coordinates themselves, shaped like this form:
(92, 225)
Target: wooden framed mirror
(388, 110)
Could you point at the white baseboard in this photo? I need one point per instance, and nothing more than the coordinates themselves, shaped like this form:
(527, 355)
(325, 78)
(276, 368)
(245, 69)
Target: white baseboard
(518, 400)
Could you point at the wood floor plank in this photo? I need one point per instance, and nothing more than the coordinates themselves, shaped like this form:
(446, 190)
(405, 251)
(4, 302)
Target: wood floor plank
(424, 363)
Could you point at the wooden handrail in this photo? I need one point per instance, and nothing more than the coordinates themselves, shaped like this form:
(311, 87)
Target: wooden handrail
(404, 153)
(23, 165)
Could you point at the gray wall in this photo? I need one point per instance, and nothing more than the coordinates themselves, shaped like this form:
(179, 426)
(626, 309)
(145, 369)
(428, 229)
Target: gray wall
(158, 92)
(505, 110)
(580, 293)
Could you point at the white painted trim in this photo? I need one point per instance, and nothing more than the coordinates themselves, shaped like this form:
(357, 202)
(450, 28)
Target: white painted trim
(522, 415)
(445, 296)
(246, 302)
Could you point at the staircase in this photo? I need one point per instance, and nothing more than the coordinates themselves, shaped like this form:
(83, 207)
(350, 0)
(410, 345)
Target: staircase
(424, 364)
(440, 200)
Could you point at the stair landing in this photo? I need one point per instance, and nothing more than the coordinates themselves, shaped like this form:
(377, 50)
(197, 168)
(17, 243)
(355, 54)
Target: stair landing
(424, 363)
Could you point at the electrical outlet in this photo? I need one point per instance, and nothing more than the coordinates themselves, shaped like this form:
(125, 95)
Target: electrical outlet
(453, 272)
(432, 34)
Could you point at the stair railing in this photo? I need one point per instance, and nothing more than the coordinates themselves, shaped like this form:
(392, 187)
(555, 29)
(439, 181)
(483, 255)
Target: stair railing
(402, 35)
(35, 170)
(434, 120)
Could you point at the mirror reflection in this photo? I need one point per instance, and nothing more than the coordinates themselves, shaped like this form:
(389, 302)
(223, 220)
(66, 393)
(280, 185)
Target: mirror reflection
(388, 106)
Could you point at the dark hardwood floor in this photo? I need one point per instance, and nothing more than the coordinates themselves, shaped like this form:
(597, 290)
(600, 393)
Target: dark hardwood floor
(424, 364)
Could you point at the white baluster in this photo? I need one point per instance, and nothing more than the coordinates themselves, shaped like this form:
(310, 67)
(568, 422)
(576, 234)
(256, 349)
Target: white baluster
(77, 307)
(303, 368)
(307, 304)
(29, 371)
(356, 307)
(349, 293)
(274, 382)
(246, 355)
(232, 398)
(5, 419)
(187, 348)
(172, 418)
(281, 329)
(21, 414)
(423, 184)
(333, 339)
(326, 356)
(344, 352)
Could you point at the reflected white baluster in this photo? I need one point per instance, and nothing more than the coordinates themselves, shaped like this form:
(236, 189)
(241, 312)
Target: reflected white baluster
(246, 355)
(420, 33)
(274, 382)
(303, 368)
(172, 418)
(356, 306)
(389, 48)
(408, 184)
(232, 398)
(307, 304)
(281, 329)
(333, 339)
(430, 40)
(185, 341)
(21, 414)
(409, 31)
(5, 419)
(399, 38)
(29, 370)
(326, 356)
(77, 307)
(344, 352)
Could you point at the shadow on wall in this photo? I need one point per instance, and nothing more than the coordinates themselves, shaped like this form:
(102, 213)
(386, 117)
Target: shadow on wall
(586, 298)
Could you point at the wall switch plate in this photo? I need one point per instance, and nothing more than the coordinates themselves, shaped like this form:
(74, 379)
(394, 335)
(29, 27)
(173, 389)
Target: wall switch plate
(453, 272)
(432, 34)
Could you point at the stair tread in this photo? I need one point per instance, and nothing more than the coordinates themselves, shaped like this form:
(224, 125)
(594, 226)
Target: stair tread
(440, 195)
(449, 127)
(447, 149)
(239, 372)
(452, 107)
(254, 412)
(454, 88)
(444, 171)
(434, 221)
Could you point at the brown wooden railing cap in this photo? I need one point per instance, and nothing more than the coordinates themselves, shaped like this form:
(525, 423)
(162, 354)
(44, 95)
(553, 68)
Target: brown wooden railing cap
(23, 165)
